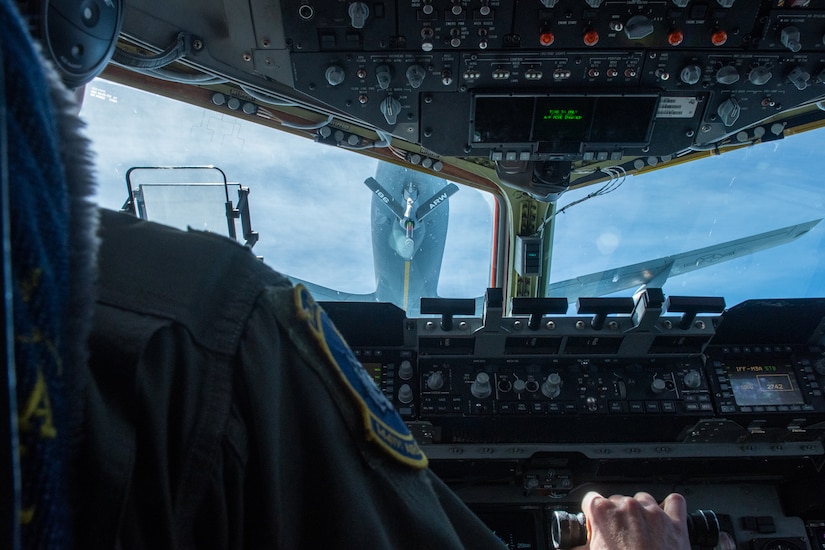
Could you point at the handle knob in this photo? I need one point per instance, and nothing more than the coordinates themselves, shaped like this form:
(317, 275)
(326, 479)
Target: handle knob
(405, 370)
(551, 387)
(435, 381)
(481, 386)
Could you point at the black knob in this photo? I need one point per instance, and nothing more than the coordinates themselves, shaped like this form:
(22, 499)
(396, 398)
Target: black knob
(568, 530)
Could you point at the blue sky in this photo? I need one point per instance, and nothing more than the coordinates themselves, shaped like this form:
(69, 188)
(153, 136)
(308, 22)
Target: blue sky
(308, 200)
(697, 204)
(311, 208)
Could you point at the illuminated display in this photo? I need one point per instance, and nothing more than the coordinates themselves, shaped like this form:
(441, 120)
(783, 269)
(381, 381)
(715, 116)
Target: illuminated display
(756, 385)
(374, 370)
(562, 122)
(562, 114)
(563, 119)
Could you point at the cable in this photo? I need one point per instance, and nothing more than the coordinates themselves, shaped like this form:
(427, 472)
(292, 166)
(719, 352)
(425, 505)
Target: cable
(178, 77)
(267, 98)
(269, 115)
(617, 174)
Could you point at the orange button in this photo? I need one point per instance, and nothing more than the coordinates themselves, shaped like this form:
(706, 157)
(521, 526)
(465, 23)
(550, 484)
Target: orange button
(591, 38)
(546, 38)
(674, 38)
(718, 38)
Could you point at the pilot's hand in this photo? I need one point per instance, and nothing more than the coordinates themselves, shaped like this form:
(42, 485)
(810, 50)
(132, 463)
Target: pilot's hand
(635, 523)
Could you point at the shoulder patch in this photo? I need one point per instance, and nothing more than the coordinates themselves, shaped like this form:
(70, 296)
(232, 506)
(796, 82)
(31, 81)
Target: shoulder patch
(382, 423)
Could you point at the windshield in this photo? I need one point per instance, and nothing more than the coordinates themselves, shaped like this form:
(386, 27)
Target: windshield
(319, 223)
(308, 201)
(708, 202)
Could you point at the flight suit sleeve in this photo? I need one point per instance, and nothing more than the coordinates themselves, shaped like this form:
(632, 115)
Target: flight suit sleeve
(328, 466)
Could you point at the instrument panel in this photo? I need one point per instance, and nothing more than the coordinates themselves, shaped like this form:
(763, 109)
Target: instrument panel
(633, 84)
(726, 409)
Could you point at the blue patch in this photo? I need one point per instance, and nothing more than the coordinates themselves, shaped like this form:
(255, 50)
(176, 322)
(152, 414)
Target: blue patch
(382, 423)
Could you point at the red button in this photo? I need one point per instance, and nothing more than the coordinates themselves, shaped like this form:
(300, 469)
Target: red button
(718, 38)
(591, 38)
(675, 38)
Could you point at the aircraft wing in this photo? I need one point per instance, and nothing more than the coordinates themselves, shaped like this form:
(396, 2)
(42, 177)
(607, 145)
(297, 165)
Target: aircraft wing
(654, 273)
(326, 294)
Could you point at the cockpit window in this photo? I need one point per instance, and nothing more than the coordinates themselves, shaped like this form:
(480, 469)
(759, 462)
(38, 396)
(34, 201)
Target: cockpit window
(315, 217)
(743, 224)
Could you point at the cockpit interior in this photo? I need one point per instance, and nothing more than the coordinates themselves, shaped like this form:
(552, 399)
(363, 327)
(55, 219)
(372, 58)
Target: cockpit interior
(576, 243)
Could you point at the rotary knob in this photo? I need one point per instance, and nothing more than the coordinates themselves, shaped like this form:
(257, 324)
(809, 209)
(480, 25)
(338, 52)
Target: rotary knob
(481, 386)
(405, 370)
(551, 387)
(759, 76)
(691, 74)
(435, 381)
(658, 385)
(405, 394)
(335, 75)
(693, 379)
(519, 385)
(727, 75)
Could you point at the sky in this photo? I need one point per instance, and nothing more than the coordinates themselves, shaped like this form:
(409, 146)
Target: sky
(308, 200)
(310, 206)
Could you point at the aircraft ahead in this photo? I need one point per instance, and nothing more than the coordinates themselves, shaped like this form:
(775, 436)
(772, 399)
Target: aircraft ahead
(409, 217)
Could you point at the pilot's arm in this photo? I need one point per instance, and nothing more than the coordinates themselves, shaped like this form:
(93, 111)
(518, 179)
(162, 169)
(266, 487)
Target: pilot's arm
(630, 523)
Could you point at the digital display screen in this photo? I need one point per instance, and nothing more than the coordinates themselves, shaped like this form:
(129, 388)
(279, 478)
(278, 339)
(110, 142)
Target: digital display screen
(757, 385)
(561, 120)
(503, 119)
(374, 370)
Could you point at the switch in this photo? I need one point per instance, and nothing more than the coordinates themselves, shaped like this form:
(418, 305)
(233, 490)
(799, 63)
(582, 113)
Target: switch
(390, 108)
(799, 77)
(358, 13)
(638, 27)
(416, 75)
(383, 74)
(790, 38)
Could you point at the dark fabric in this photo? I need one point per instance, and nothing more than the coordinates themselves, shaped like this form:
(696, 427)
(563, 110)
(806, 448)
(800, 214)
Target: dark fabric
(39, 218)
(211, 424)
